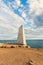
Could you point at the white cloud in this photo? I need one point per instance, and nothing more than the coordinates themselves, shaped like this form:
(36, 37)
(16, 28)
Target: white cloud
(36, 9)
(9, 22)
(34, 33)
(23, 14)
(36, 6)
(15, 4)
(18, 2)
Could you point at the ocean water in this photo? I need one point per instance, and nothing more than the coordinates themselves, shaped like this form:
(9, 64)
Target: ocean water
(32, 43)
(35, 43)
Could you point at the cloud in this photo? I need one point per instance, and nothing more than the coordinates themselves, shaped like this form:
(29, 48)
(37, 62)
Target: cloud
(35, 18)
(18, 2)
(34, 33)
(23, 14)
(14, 3)
(29, 10)
(35, 11)
(31, 16)
(9, 22)
(39, 20)
(36, 6)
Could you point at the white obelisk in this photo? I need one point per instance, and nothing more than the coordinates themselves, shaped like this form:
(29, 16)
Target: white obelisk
(21, 36)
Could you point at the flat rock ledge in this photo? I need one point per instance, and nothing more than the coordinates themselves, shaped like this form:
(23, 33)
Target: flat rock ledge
(13, 46)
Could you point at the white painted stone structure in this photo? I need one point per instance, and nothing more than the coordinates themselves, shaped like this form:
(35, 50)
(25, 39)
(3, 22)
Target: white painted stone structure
(21, 36)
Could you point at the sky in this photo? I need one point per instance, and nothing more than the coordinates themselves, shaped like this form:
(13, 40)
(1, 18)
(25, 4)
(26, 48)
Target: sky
(14, 13)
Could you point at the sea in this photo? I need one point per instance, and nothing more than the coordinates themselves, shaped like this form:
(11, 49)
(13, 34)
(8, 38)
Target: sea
(31, 43)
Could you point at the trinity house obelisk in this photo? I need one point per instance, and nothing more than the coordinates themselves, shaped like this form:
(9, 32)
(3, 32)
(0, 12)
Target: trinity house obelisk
(21, 36)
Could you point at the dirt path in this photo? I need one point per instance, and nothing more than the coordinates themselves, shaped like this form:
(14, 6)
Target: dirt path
(21, 56)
